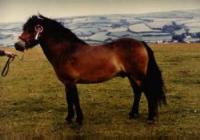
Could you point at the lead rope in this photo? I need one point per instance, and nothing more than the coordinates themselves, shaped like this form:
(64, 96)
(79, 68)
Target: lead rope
(7, 65)
(5, 70)
(22, 57)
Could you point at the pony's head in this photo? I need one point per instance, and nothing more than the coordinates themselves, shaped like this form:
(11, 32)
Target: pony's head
(32, 31)
(37, 28)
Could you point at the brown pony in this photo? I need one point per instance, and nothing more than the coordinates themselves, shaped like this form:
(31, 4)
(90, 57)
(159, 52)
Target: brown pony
(75, 62)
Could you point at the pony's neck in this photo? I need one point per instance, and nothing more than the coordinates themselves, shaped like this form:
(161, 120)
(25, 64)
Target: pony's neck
(57, 50)
(58, 42)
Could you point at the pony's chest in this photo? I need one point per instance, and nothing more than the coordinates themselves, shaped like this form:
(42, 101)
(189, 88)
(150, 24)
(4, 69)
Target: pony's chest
(66, 72)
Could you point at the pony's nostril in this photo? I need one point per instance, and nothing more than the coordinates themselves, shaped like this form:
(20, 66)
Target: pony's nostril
(19, 47)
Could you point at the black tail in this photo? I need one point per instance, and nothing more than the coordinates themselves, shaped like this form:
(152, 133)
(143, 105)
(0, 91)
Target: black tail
(154, 81)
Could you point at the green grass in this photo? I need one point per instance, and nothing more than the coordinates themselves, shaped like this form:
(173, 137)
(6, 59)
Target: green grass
(33, 106)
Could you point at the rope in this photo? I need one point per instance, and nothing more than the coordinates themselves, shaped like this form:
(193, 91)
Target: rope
(6, 67)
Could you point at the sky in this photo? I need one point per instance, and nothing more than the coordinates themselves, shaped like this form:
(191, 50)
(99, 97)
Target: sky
(20, 10)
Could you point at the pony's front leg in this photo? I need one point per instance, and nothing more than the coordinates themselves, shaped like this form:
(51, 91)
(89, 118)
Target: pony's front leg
(73, 99)
(69, 99)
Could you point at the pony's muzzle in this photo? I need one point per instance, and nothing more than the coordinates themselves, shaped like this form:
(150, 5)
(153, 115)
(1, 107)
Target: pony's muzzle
(20, 45)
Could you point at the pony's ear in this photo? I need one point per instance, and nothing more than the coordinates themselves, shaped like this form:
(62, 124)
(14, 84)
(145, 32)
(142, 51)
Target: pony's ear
(40, 16)
(39, 28)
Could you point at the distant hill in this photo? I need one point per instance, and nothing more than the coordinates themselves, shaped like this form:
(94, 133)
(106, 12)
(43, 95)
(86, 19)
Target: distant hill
(173, 26)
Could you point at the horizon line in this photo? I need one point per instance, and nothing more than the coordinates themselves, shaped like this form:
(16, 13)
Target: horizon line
(107, 14)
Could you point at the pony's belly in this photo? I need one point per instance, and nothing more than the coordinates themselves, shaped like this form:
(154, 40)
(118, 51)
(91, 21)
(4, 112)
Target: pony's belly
(95, 78)
(98, 75)
(92, 70)
(88, 75)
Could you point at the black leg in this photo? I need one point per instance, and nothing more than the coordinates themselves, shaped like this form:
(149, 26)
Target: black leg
(134, 113)
(69, 98)
(79, 113)
(73, 100)
(152, 107)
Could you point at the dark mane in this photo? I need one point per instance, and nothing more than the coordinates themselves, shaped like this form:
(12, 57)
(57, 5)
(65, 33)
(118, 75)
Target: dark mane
(52, 28)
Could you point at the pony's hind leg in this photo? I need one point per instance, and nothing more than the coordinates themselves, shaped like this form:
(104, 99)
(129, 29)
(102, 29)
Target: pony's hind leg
(134, 113)
(73, 100)
(152, 107)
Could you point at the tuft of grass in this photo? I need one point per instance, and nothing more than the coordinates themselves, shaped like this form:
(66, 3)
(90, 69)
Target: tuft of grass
(32, 100)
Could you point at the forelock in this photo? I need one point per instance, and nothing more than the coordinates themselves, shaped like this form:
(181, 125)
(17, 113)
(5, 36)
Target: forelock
(31, 22)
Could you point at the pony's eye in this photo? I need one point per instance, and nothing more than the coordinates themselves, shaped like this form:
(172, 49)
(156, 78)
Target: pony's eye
(29, 30)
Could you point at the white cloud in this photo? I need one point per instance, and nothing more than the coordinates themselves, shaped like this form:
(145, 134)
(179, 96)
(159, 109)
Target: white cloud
(20, 10)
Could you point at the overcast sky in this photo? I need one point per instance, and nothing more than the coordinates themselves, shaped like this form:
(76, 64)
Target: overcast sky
(20, 10)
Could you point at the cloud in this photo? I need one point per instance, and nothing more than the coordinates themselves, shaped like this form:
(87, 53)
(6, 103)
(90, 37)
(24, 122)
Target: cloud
(20, 10)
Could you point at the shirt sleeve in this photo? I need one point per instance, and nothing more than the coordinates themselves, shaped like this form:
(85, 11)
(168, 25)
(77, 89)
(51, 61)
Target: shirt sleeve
(2, 53)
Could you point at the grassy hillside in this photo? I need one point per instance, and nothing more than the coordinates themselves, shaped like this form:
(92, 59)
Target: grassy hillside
(32, 100)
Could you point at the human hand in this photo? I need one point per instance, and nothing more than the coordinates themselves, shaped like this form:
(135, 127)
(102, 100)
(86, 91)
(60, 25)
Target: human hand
(9, 54)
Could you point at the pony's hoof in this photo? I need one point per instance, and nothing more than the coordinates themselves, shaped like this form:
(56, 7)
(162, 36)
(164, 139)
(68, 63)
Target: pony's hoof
(151, 121)
(133, 115)
(69, 120)
(79, 121)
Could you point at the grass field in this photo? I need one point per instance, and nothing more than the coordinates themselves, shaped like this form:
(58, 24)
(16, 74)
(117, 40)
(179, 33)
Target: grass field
(32, 100)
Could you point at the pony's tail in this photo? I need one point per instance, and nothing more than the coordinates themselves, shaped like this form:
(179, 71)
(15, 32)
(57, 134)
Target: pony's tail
(154, 84)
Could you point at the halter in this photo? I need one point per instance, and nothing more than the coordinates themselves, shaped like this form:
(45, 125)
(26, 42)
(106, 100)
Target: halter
(38, 29)
(37, 35)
